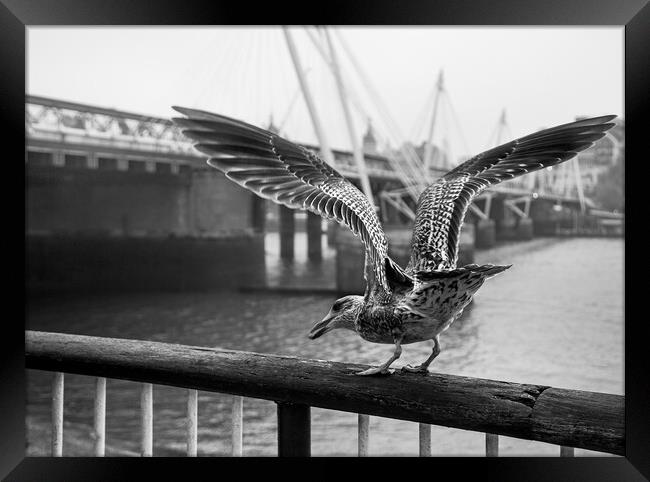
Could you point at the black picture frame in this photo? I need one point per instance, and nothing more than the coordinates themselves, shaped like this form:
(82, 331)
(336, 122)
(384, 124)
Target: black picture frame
(16, 15)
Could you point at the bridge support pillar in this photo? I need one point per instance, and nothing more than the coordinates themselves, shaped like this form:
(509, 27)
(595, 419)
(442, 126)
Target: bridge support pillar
(524, 230)
(258, 214)
(314, 237)
(350, 261)
(485, 233)
(399, 243)
(332, 228)
(514, 219)
(467, 244)
(287, 231)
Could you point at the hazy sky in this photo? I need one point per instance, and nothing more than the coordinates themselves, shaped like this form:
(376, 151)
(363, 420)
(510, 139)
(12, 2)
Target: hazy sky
(541, 76)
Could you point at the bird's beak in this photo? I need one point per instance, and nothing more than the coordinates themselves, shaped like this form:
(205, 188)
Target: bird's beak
(321, 327)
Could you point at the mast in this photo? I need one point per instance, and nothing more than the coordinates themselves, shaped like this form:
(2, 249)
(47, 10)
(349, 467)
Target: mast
(502, 127)
(326, 152)
(356, 148)
(428, 147)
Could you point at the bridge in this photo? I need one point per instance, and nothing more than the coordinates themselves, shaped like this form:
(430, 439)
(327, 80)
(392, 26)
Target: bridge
(79, 136)
(106, 177)
(149, 183)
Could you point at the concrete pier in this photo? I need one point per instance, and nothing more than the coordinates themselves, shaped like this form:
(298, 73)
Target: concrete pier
(510, 225)
(524, 229)
(116, 230)
(258, 214)
(350, 257)
(349, 263)
(467, 244)
(350, 254)
(332, 228)
(485, 233)
(399, 244)
(519, 229)
(314, 237)
(287, 230)
(506, 230)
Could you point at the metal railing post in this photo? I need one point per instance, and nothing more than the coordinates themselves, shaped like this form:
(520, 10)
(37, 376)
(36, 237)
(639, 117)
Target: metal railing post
(567, 451)
(237, 426)
(491, 445)
(364, 432)
(294, 430)
(192, 422)
(425, 440)
(146, 409)
(57, 415)
(100, 417)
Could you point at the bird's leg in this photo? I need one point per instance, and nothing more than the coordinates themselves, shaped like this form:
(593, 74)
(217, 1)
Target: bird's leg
(424, 366)
(383, 368)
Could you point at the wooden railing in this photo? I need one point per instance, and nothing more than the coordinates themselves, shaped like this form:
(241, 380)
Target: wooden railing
(569, 418)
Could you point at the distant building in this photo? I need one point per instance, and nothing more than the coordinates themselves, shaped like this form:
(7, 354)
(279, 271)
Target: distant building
(369, 140)
(439, 156)
(440, 159)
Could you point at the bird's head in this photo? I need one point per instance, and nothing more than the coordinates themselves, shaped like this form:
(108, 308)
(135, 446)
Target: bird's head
(343, 314)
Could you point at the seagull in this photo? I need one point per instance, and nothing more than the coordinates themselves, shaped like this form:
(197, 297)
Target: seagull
(400, 305)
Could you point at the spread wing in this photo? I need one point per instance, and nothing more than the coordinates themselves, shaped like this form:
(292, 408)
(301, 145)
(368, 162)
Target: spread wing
(443, 204)
(288, 174)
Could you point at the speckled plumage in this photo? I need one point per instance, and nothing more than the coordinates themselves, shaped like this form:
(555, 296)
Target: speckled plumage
(400, 306)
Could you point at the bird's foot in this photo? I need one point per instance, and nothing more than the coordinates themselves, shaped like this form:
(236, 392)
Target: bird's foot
(375, 371)
(416, 369)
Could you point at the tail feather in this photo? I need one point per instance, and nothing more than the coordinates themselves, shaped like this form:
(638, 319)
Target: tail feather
(486, 270)
(443, 294)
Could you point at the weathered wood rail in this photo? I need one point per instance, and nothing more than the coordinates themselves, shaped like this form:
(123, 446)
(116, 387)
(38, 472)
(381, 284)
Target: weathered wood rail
(569, 418)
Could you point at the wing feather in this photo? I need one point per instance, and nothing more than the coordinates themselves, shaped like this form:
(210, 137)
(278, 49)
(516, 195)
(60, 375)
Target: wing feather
(288, 174)
(443, 205)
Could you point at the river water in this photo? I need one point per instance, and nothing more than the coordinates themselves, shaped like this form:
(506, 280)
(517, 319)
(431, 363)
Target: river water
(555, 318)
